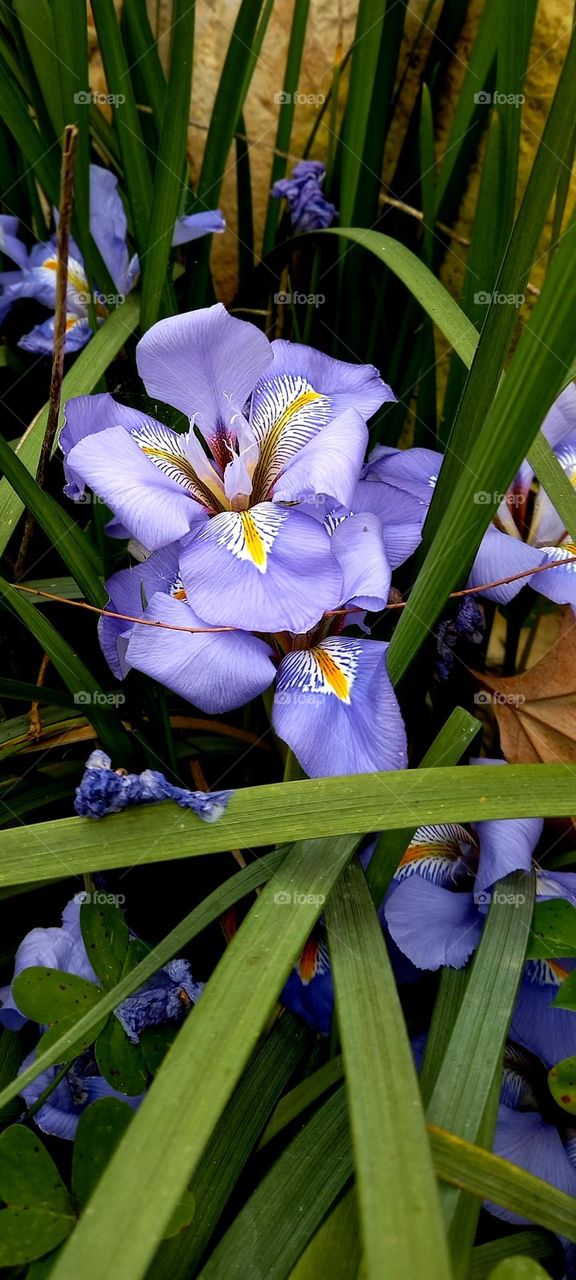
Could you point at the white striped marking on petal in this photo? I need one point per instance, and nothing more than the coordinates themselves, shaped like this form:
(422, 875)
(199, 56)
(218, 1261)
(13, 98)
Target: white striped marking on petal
(168, 451)
(248, 535)
(288, 413)
(76, 284)
(546, 973)
(438, 853)
(330, 667)
(567, 551)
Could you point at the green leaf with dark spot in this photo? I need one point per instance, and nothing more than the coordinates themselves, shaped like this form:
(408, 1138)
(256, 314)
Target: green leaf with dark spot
(155, 1043)
(39, 1213)
(28, 1175)
(29, 1233)
(182, 1216)
(63, 1025)
(100, 1128)
(553, 931)
(121, 1062)
(47, 995)
(106, 938)
(562, 1083)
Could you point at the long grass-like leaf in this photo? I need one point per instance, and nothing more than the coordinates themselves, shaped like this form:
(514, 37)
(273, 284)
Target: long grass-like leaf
(171, 163)
(147, 1175)
(397, 1196)
(258, 816)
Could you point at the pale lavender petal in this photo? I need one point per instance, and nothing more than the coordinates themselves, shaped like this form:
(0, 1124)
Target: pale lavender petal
(431, 925)
(86, 416)
(129, 592)
(10, 245)
(215, 671)
(194, 225)
(328, 464)
(501, 556)
(547, 1031)
(267, 569)
(156, 509)
(525, 1139)
(336, 708)
(108, 224)
(204, 362)
(40, 340)
(558, 584)
(560, 420)
(358, 544)
(349, 386)
(506, 844)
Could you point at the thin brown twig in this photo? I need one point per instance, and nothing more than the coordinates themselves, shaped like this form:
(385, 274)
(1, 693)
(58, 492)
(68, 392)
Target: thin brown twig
(34, 715)
(60, 315)
(331, 613)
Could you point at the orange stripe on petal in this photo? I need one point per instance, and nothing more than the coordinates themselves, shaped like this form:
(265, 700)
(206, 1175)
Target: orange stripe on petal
(333, 674)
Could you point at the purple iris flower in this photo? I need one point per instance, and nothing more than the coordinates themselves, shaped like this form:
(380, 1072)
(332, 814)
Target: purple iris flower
(526, 532)
(437, 904)
(273, 425)
(162, 999)
(309, 208)
(61, 947)
(532, 1132)
(537, 1024)
(333, 704)
(60, 1113)
(37, 275)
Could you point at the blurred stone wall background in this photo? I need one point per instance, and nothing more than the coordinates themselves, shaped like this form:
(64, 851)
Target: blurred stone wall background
(214, 22)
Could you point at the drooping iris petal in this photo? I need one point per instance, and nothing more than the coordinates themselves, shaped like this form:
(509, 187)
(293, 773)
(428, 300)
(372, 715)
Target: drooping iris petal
(10, 245)
(501, 556)
(40, 340)
(88, 415)
(536, 1024)
(558, 584)
(506, 844)
(432, 925)
(216, 671)
(59, 1115)
(329, 463)
(194, 225)
(52, 948)
(129, 592)
(266, 569)
(524, 1138)
(349, 386)
(154, 506)
(108, 224)
(336, 708)
(560, 420)
(412, 471)
(204, 363)
(358, 544)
